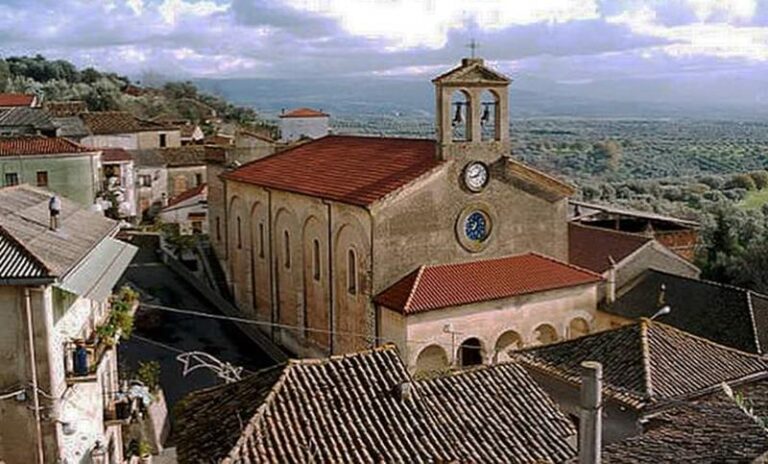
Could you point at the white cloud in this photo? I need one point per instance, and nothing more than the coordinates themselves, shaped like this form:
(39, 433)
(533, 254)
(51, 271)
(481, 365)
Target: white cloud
(728, 10)
(172, 10)
(137, 6)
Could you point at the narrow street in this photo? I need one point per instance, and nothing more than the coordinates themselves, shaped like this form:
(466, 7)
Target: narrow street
(165, 332)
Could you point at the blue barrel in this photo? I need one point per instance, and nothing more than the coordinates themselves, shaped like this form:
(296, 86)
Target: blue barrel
(80, 360)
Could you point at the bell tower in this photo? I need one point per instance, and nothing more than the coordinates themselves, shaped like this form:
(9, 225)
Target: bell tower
(472, 108)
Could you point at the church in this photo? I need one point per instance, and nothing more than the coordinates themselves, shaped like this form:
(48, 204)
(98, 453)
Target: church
(448, 248)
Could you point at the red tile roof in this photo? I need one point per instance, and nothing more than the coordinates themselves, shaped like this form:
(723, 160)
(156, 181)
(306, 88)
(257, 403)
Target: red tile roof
(16, 99)
(115, 154)
(187, 194)
(446, 285)
(593, 247)
(349, 169)
(16, 146)
(304, 113)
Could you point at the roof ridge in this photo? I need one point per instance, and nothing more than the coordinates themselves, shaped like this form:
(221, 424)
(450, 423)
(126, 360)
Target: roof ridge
(572, 266)
(645, 352)
(611, 231)
(707, 341)
(710, 282)
(752, 320)
(415, 285)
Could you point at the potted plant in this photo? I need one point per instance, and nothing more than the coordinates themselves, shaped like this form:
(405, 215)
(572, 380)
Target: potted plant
(145, 452)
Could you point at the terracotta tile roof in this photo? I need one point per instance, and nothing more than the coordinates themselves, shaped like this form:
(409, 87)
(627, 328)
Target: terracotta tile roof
(16, 99)
(118, 122)
(304, 113)
(219, 140)
(115, 154)
(714, 429)
(352, 409)
(36, 145)
(61, 109)
(646, 362)
(24, 216)
(728, 315)
(593, 247)
(349, 169)
(186, 155)
(445, 285)
(191, 193)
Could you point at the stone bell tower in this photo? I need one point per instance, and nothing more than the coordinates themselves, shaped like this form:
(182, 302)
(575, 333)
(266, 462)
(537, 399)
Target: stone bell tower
(472, 107)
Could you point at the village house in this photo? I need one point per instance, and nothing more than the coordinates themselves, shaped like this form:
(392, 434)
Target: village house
(16, 100)
(120, 129)
(23, 120)
(188, 210)
(303, 123)
(57, 164)
(119, 180)
(647, 366)
(366, 408)
(55, 288)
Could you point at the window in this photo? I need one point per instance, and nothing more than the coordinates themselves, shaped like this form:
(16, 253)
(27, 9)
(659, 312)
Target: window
(11, 178)
(198, 180)
(218, 229)
(316, 260)
(163, 140)
(351, 272)
(197, 227)
(261, 240)
(239, 234)
(42, 178)
(287, 251)
(145, 180)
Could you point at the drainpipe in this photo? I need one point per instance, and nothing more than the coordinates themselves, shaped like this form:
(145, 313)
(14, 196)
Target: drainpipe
(33, 366)
(590, 420)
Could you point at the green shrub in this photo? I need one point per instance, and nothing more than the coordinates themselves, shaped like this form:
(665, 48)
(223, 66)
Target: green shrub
(760, 178)
(149, 374)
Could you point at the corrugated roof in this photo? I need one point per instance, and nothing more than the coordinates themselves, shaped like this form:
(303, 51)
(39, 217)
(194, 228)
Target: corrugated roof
(646, 362)
(16, 262)
(593, 247)
(349, 409)
(349, 169)
(37, 145)
(304, 113)
(23, 116)
(16, 99)
(24, 215)
(446, 285)
(96, 275)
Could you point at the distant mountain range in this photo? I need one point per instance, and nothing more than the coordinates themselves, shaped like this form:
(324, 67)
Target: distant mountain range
(740, 95)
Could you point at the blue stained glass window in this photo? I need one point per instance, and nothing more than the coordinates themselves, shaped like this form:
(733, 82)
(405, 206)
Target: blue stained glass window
(476, 227)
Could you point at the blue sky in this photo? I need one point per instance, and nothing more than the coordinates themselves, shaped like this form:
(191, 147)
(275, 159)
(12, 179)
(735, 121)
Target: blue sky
(564, 40)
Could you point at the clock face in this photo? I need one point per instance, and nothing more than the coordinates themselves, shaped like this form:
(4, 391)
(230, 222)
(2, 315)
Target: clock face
(476, 226)
(475, 176)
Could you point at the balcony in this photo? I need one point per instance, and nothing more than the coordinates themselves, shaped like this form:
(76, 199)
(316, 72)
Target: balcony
(82, 360)
(119, 408)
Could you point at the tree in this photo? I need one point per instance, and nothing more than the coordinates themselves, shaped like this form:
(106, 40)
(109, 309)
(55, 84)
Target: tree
(743, 181)
(760, 178)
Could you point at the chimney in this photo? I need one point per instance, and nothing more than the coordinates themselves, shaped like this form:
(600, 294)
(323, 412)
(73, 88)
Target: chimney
(610, 283)
(590, 417)
(405, 391)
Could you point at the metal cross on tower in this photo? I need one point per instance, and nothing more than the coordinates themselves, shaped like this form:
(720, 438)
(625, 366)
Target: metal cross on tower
(473, 46)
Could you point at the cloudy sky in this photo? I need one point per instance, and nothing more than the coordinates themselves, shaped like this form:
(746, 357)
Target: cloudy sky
(571, 40)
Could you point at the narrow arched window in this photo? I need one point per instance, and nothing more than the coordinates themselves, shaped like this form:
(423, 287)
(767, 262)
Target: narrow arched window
(239, 234)
(351, 272)
(287, 250)
(261, 240)
(218, 229)
(316, 259)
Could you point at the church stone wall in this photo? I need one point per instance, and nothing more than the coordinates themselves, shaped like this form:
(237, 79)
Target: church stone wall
(419, 226)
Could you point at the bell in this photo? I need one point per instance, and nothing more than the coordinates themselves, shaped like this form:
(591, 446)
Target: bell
(486, 114)
(458, 118)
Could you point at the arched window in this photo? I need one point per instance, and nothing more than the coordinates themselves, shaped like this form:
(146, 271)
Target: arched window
(239, 234)
(351, 272)
(316, 259)
(508, 341)
(545, 334)
(287, 249)
(578, 328)
(461, 116)
(261, 240)
(432, 358)
(470, 352)
(489, 115)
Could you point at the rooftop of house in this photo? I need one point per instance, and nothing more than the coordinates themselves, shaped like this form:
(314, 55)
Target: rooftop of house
(594, 248)
(68, 108)
(445, 285)
(118, 122)
(728, 315)
(24, 219)
(201, 189)
(183, 156)
(365, 408)
(115, 155)
(23, 116)
(39, 145)
(646, 363)
(711, 429)
(304, 113)
(16, 99)
(583, 211)
(70, 126)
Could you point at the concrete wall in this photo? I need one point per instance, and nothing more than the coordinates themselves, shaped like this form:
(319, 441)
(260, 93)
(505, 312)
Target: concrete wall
(492, 322)
(292, 129)
(75, 177)
(152, 195)
(135, 140)
(655, 257)
(126, 184)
